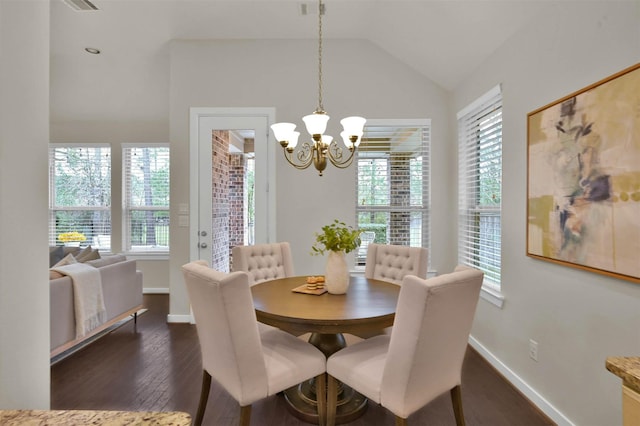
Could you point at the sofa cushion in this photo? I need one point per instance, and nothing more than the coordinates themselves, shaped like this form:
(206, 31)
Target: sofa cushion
(97, 262)
(107, 260)
(71, 250)
(56, 253)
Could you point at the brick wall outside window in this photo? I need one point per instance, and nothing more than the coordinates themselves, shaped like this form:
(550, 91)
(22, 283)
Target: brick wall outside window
(220, 201)
(399, 222)
(227, 221)
(237, 171)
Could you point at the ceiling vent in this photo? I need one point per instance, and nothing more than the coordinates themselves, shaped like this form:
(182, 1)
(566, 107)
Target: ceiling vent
(311, 9)
(81, 5)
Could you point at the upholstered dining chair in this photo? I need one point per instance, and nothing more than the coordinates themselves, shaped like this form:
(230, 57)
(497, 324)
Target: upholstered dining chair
(263, 261)
(422, 358)
(391, 263)
(248, 363)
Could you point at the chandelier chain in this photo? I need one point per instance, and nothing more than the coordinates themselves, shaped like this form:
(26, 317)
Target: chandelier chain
(321, 149)
(320, 10)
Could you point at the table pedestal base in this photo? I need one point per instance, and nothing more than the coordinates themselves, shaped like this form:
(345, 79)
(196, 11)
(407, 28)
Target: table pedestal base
(302, 399)
(302, 403)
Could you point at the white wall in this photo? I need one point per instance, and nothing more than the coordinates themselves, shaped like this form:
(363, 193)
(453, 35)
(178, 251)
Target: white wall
(24, 133)
(578, 318)
(283, 74)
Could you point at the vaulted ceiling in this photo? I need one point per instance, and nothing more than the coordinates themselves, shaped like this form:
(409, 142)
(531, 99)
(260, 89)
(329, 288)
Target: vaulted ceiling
(444, 40)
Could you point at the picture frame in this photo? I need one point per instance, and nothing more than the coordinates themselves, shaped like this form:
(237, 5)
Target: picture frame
(583, 178)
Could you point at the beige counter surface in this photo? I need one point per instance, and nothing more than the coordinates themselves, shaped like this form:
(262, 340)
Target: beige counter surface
(627, 368)
(91, 417)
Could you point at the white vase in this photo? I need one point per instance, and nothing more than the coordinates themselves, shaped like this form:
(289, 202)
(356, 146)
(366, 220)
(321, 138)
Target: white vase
(336, 274)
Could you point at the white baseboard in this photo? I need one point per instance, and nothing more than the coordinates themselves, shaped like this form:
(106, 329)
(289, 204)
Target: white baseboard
(179, 318)
(530, 393)
(157, 290)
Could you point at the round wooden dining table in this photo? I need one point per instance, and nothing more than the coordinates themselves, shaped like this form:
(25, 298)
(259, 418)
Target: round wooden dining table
(368, 306)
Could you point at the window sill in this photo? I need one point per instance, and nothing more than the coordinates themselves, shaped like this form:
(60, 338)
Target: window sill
(137, 255)
(491, 293)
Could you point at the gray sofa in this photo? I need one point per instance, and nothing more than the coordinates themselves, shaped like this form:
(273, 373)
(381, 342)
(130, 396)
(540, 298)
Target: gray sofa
(122, 292)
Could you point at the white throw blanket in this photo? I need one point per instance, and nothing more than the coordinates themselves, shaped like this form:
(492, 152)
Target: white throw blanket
(88, 300)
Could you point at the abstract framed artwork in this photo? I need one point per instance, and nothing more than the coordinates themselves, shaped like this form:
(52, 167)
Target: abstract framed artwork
(583, 178)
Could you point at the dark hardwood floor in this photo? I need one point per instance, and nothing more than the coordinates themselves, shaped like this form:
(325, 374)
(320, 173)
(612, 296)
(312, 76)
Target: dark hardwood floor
(155, 366)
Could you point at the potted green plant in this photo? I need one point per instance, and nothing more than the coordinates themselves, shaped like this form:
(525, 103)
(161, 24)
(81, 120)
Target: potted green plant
(336, 239)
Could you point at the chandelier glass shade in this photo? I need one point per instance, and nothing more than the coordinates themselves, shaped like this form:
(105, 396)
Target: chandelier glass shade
(321, 149)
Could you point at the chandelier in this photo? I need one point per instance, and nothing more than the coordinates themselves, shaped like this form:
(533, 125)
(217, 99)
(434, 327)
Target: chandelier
(321, 147)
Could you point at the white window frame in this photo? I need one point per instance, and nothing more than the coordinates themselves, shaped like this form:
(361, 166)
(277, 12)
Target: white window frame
(425, 209)
(157, 253)
(53, 208)
(469, 207)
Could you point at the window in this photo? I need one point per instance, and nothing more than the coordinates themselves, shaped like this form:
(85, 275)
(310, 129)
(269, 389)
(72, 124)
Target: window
(80, 195)
(393, 184)
(145, 198)
(480, 185)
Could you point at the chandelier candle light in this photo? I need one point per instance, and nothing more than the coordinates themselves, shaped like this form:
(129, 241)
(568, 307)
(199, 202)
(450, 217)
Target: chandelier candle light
(322, 147)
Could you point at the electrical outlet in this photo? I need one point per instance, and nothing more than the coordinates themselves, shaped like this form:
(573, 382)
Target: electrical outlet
(533, 349)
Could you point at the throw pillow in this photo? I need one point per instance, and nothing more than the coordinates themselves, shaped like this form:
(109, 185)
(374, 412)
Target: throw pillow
(54, 274)
(56, 253)
(67, 260)
(81, 253)
(107, 260)
(93, 255)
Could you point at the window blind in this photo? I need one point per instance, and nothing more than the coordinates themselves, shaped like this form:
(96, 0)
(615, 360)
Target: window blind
(393, 183)
(146, 197)
(80, 195)
(480, 185)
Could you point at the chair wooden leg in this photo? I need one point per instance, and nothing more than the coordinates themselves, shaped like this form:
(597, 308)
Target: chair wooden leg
(332, 400)
(456, 400)
(245, 415)
(321, 398)
(204, 397)
(400, 421)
